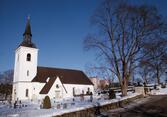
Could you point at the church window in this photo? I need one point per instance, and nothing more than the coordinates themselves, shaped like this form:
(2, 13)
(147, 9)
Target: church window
(57, 86)
(28, 57)
(26, 92)
(15, 91)
(73, 91)
(27, 72)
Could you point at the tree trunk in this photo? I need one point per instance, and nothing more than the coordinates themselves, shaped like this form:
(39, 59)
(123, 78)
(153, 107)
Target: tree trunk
(124, 87)
(145, 80)
(158, 76)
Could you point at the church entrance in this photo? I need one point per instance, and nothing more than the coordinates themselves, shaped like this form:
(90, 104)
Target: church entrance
(34, 97)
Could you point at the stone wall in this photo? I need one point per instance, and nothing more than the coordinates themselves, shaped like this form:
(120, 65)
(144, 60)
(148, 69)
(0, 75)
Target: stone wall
(89, 112)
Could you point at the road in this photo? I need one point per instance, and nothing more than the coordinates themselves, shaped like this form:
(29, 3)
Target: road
(152, 106)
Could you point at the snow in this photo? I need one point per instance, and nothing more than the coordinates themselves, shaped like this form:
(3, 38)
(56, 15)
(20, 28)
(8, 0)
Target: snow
(33, 108)
(161, 91)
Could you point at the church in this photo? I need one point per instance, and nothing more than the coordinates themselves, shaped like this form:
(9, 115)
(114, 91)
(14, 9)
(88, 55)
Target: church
(33, 82)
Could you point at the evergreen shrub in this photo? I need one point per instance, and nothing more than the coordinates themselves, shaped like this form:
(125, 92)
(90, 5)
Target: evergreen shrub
(46, 102)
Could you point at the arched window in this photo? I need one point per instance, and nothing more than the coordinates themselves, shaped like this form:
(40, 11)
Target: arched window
(26, 92)
(73, 91)
(28, 57)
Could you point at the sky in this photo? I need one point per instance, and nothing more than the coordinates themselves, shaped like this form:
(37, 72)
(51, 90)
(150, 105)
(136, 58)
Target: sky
(58, 30)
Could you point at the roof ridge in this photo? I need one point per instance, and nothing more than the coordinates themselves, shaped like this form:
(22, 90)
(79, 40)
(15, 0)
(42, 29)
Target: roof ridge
(58, 68)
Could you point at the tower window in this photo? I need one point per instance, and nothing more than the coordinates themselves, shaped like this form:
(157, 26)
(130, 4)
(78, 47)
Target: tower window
(26, 92)
(28, 57)
(27, 72)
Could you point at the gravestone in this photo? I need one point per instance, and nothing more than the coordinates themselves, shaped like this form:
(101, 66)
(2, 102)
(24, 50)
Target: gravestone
(140, 89)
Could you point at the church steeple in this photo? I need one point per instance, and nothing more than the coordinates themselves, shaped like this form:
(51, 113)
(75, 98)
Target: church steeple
(28, 27)
(27, 36)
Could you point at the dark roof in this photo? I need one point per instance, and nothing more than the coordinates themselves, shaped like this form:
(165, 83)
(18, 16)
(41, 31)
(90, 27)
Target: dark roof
(67, 76)
(25, 44)
(47, 86)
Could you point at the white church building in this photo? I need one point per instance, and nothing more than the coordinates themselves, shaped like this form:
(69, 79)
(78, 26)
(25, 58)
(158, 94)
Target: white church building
(33, 82)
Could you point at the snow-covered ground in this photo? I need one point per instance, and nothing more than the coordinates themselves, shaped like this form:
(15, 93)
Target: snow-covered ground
(33, 108)
(161, 91)
(65, 106)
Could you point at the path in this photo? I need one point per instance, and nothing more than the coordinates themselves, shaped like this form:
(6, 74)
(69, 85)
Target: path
(152, 106)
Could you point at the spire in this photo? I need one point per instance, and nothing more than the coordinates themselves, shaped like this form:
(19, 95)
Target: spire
(28, 27)
(27, 35)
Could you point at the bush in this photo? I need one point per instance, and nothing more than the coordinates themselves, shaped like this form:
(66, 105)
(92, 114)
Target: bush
(111, 94)
(46, 102)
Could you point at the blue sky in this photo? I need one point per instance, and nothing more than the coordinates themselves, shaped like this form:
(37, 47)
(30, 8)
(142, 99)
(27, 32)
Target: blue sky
(58, 29)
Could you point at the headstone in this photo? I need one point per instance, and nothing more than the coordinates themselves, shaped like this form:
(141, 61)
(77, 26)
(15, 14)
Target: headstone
(15, 104)
(82, 97)
(91, 97)
(72, 103)
(64, 105)
(20, 104)
(58, 106)
(140, 90)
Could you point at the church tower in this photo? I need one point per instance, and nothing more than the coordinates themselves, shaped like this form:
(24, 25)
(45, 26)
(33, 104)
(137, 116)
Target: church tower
(25, 68)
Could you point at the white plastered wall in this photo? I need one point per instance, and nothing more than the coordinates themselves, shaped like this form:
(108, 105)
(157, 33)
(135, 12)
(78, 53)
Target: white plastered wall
(66, 90)
(20, 90)
(54, 89)
(21, 80)
(78, 89)
(22, 65)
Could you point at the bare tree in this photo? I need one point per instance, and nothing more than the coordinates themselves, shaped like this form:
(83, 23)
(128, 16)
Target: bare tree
(122, 29)
(99, 71)
(156, 50)
(7, 77)
(145, 72)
